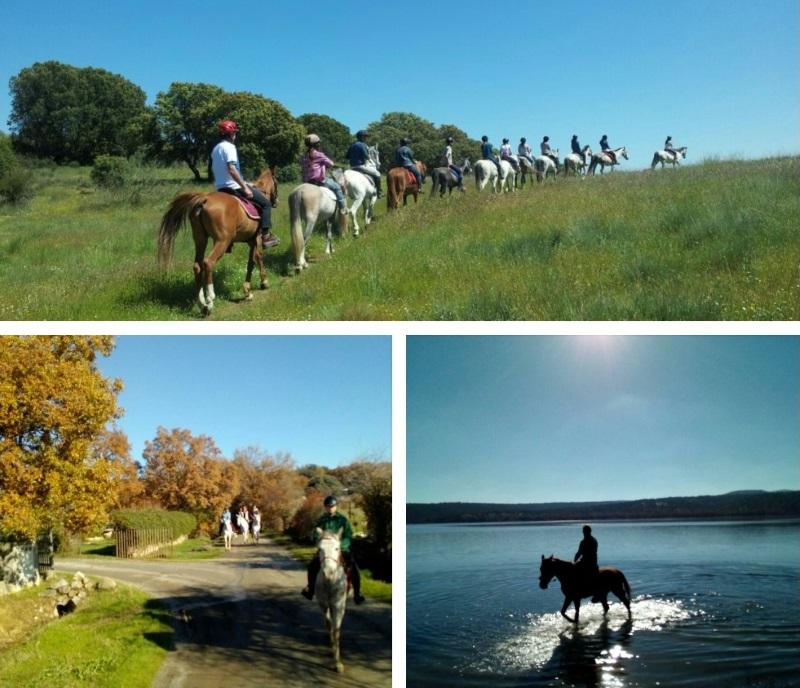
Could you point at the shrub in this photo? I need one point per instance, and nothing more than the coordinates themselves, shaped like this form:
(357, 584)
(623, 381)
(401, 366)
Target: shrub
(110, 171)
(7, 158)
(288, 174)
(15, 185)
(179, 522)
(377, 504)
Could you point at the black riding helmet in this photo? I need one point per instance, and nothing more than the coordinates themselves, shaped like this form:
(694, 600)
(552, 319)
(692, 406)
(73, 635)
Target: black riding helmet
(546, 138)
(505, 140)
(361, 134)
(330, 500)
(523, 140)
(404, 142)
(449, 139)
(484, 138)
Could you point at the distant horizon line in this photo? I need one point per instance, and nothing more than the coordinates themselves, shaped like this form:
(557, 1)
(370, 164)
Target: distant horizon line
(614, 501)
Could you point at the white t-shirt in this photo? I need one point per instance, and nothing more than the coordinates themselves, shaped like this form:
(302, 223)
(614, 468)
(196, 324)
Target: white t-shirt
(223, 154)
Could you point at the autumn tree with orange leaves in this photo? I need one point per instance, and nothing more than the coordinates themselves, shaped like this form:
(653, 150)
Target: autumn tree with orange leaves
(186, 472)
(270, 482)
(113, 446)
(54, 403)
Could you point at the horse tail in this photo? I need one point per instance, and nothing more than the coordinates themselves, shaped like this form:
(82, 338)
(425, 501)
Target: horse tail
(655, 161)
(296, 221)
(434, 183)
(175, 217)
(393, 191)
(625, 586)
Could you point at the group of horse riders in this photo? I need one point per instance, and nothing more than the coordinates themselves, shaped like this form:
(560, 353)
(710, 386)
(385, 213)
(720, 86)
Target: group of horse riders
(314, 164)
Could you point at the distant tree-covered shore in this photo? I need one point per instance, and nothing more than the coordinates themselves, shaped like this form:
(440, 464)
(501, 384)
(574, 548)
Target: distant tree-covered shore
(744, 504)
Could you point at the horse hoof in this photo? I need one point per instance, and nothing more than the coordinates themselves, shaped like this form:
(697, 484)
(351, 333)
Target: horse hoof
(248, 296)
(340, 668)
(265, 285)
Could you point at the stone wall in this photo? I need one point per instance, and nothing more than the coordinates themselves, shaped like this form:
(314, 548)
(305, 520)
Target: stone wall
(18, 566)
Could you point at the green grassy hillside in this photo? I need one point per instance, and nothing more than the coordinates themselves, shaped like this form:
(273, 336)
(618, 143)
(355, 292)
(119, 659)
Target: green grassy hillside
(715, 241)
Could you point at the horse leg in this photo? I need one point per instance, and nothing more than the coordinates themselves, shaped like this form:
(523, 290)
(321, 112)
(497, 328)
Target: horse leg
(567, 602)
(217, 251)
(251, 263)
(356, 204)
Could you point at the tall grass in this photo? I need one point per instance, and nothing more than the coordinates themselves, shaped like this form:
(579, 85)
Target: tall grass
(715, 241)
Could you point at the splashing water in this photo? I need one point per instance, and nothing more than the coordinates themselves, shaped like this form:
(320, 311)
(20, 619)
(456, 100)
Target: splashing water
(533, 642)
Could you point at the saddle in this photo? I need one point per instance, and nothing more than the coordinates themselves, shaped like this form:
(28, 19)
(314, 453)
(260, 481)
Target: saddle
(410, 178)
(250, 209)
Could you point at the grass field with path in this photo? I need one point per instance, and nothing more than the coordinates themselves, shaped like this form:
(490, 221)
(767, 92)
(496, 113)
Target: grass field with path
(713, 241)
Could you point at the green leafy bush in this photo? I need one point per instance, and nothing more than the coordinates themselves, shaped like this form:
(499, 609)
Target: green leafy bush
(110, 171)
(15, 185)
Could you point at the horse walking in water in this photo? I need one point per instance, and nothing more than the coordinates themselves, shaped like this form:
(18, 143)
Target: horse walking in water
(399, 185)
(444, 179)
(308, 205)
(331, 590)
(361, 190)
(663, 157)
(576, 163)
(574, 587)
(604, 159)
(220, 217)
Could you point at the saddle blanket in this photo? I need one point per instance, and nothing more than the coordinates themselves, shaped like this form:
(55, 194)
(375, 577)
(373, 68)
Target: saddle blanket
(249, 208)
(410, 176)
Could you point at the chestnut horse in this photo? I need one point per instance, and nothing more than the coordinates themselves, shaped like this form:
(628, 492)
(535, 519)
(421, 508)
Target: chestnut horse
(574, 587)
(398, 186)
(220, 217)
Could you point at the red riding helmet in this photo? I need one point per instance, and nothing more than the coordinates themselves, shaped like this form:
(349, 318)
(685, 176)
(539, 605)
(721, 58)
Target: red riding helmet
(227, 126)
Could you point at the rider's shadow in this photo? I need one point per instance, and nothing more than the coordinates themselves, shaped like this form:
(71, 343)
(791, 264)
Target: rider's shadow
(582, 659)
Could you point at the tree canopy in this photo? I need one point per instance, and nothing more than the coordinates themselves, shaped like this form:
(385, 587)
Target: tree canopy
(54, 404)
(335, 136)
(74, 114)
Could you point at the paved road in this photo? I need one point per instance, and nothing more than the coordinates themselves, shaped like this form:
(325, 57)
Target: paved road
(241, 620)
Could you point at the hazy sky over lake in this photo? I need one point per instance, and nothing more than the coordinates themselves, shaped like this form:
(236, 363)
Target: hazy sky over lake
(578, 418)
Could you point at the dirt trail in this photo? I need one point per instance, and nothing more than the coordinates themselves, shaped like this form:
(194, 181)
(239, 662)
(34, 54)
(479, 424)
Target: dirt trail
(241, 620)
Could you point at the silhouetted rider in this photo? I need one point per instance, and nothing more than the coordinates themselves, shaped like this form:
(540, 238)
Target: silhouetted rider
(586, 559)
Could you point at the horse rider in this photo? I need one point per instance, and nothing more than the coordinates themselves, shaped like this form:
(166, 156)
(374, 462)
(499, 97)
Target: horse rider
(314, 164)
(333, 522)
(404, 157)
(586, 560)
(487, 153)
(447, 159)
(506, 154)
(228, 179)
(546, 150)
(575, 146)
(358, 156)
(606, 148)
(670, 148)
(524, 150)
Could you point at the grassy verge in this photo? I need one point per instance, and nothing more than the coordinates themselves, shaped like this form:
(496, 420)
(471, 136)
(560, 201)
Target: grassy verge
(370, 587)
(714, 241)
(115, 639)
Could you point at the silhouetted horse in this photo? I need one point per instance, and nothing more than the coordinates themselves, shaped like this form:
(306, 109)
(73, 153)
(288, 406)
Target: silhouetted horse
(575, 588)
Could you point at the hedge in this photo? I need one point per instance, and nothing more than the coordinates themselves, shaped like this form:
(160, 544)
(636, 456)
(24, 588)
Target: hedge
(179, 522)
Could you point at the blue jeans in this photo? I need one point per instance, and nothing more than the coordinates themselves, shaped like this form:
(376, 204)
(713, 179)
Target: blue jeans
(333, 186)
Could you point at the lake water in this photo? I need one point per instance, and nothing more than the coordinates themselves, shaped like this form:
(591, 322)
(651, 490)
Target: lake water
(714, 604)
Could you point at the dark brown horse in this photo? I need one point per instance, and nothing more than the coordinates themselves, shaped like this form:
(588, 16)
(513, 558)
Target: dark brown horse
(398, 186)
(575, 587)
(220, 217)
(444, 180)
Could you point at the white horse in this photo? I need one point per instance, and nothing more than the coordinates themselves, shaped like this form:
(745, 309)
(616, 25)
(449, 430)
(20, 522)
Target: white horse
(508, 177)
(244, 527)
(545, 165)
(361, 189)
(577, 162)
(309, 204)
(485, 173)
(331, 590)
(664, 157)
(227, 533)
(256, 526)
(604, 159)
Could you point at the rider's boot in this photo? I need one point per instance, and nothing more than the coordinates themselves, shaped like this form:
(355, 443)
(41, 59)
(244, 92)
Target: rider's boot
(268, 239)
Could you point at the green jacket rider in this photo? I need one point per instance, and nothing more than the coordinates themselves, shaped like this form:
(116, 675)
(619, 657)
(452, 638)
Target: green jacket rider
(333, 522)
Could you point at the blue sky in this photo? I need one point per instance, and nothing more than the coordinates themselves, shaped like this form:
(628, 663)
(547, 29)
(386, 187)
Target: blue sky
(325, 400)
(720, 76)
(579, 418)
